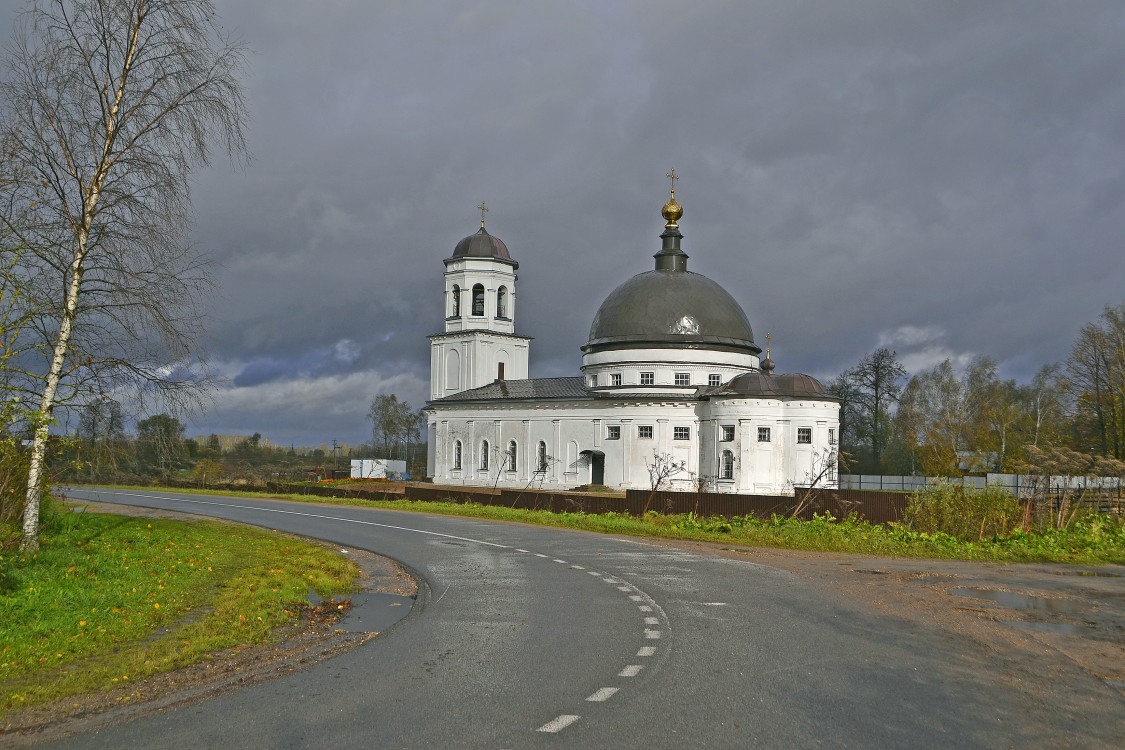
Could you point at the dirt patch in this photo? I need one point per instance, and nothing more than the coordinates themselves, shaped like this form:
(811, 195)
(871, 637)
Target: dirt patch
(1051, 635)
(310, 639)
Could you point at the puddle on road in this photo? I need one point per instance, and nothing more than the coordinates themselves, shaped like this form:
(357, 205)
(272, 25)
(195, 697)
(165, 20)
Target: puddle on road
(1088, 573)
(1044, 627)
(374, 613)
(1012, 600)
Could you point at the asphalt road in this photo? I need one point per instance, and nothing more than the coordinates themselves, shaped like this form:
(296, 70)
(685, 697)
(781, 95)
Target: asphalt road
(526, 637)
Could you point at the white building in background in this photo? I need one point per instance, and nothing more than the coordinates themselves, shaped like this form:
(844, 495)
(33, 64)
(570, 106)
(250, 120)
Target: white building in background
(377, 468)
(670, 370)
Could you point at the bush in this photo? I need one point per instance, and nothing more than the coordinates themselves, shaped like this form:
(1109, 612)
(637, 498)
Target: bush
(966, 513)
(13, 486)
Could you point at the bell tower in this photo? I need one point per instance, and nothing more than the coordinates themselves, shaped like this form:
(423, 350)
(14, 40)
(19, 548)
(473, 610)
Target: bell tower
(479, 343)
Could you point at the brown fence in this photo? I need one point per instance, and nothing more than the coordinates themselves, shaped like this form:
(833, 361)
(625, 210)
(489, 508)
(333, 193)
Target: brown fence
(526, 499)
(871, 506)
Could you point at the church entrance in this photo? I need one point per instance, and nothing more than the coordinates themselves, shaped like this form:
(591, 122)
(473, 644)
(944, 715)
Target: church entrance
(597, 467)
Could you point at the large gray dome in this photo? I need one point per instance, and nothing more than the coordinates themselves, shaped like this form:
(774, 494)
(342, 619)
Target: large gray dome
(671, 308)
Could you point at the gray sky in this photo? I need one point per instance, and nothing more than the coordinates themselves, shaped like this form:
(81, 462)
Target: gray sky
(945, 178)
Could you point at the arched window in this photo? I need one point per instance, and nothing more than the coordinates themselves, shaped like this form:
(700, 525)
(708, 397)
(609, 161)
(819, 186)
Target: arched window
(511, 455)
(484, 455)
(456, 301)
(726, 465)
(457, 454)
(541, 457)
(502, 302)
(478, 299)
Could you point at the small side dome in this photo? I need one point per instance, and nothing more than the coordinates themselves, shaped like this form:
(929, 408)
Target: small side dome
(791, 384)
(482, 245)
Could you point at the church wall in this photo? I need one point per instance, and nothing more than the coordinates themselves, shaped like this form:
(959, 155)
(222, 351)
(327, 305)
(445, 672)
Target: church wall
(599, 367)
(465, 273)
(571, 430)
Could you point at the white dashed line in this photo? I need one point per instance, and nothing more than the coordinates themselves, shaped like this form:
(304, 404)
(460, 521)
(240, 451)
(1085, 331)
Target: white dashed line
(577, 567)
(560, 723)
(624, 588)
(602, 694)
(652, 621)
(538, 555)
(611, 580)
(637, 598)
(645, 608)
(561, 561)
(714, 604)
(647, 651)
(652, 635)
(526, 552)
(630, 671)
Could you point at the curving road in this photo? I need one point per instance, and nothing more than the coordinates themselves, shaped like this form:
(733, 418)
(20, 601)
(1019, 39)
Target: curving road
(527, 637)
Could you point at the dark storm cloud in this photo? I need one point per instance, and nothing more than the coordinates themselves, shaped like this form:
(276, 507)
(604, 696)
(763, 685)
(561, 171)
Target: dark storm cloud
(945, 178)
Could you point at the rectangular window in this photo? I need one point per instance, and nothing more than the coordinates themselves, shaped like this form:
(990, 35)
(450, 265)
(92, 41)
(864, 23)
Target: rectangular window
(613, 432)
(615, 378)
(644, 431)
(647, 378)
(593, 381)
(763, 434)
(831, 435)
(681, 433)
(804, 435)
(683, 378)
(728, 433)
(714, 379)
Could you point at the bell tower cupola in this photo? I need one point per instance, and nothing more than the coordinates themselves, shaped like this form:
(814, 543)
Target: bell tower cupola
(479, 343)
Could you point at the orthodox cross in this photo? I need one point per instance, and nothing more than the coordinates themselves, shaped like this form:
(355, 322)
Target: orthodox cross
(672, 176)
(483, 209)
(768, 337)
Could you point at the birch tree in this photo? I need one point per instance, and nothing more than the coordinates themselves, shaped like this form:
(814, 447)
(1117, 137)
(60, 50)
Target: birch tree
(108, 106)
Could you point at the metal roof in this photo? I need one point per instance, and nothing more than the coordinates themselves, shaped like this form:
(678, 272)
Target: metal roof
(482, 245)
(534, 388)
(764, 385)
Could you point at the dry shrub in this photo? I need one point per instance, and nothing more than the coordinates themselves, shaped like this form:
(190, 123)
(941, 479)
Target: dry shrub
(967, 513)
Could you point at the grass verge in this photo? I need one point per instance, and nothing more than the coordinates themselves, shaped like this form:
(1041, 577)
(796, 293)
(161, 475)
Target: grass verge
(109, 600)
(1093, 540)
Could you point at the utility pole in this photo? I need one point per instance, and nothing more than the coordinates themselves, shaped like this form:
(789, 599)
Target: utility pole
(335, 447)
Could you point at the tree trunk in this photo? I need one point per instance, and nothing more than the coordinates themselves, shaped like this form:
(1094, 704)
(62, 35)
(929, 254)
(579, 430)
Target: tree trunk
(30, 540)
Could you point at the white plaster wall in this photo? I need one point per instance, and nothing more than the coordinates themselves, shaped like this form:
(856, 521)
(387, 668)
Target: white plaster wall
(569, 428)
(664, 364)
(491, 274)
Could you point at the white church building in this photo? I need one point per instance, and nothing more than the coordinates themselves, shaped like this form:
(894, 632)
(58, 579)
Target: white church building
(670, 375)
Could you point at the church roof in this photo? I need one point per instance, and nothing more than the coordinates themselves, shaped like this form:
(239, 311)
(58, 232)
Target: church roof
(482, 245)
(750, 384)
(534, 388)
(764, 385)
(671, 306)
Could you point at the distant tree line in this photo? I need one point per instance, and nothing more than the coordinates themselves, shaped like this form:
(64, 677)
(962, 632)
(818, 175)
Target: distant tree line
(102, 450)
(941, 422)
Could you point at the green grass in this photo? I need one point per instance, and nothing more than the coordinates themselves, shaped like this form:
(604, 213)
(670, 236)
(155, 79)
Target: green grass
(109, 600)
(1090, 541)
